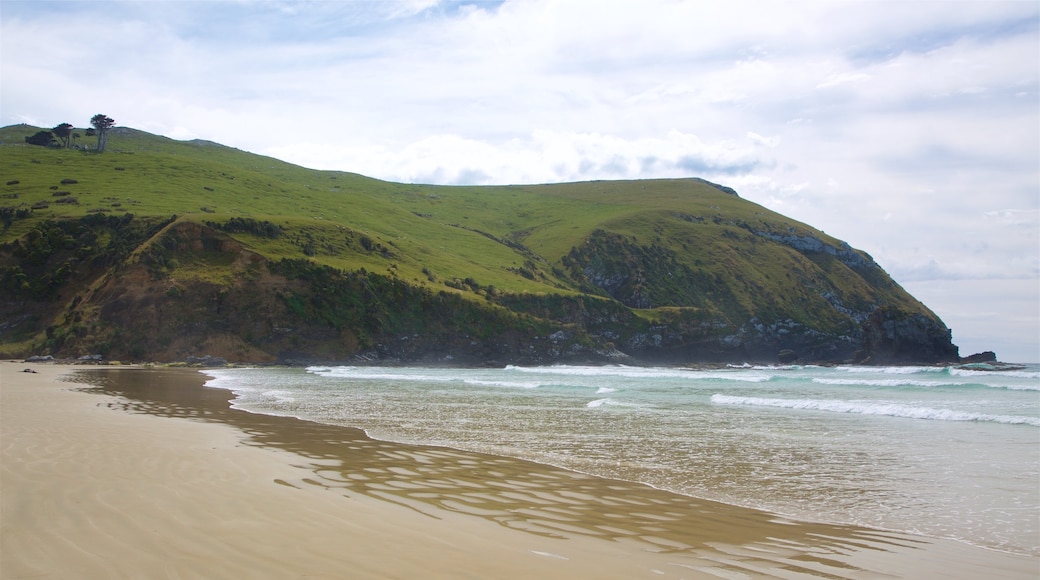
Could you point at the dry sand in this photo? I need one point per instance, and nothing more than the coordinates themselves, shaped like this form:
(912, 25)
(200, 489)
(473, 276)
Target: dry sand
(89, 490)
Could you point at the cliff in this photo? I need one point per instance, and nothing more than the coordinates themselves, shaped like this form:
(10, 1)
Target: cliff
(164, 250)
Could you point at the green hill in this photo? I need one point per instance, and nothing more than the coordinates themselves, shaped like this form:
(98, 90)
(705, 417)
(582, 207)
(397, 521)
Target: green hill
(161, 249)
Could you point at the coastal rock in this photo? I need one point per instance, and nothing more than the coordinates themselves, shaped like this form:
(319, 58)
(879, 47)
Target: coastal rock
(207, 361)
(808, 243)
(786, 356)
(892, 336)
(981, 357)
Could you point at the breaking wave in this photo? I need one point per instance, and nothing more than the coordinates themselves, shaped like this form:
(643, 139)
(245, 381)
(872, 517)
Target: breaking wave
(874, 408)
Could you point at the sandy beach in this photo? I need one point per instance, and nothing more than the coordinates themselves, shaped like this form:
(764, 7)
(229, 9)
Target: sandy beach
(99, 486)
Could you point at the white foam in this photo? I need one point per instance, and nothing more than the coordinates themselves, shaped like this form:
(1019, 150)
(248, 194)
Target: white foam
(224, 379)
(605, 390)
(508, 384)
(608, 402)
(1016, 387)
(279, 396)
(600, 402)
(873, 408)
(741, 377)
(778, 367)
(974, 373)
(884, 382)
(376, 374)
(602, 371)
(893, 370)
(918, 383)
(627, 372)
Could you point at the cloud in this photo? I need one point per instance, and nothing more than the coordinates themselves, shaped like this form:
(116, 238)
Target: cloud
(841, 79)
(541, 157)
(906, 128)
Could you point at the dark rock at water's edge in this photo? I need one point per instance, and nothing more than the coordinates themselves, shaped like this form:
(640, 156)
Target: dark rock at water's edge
(892, 336)
(982, 357)
(786, 356)
(207, 361)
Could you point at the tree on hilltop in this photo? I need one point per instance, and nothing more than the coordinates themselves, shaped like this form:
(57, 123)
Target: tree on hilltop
(64, 134)
(101, 125)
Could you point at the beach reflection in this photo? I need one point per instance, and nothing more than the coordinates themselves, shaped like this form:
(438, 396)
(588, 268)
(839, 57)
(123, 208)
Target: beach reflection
(533, 498)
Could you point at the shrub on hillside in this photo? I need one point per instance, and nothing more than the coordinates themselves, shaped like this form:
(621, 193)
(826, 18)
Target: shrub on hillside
(263, 229)
(42, 138)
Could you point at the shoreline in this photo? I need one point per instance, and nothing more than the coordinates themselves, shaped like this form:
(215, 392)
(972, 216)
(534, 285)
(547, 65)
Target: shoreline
(185, 485)
(778, 514)
(209, 362)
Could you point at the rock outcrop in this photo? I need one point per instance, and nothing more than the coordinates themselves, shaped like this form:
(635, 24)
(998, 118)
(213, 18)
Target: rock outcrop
(892, 336)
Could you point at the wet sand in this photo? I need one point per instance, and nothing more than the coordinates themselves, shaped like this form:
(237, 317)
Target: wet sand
(149, 475)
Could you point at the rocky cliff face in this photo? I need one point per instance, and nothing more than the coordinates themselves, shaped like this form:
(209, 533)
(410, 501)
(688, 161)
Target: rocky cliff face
(169, 290)
(891, 336)
(833, 303)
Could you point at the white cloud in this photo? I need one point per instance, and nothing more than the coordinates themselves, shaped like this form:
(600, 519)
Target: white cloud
(905, 128)
(543, 156)
(841, 79)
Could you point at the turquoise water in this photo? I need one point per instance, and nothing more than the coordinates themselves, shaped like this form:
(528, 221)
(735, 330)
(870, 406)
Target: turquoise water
(943, 452)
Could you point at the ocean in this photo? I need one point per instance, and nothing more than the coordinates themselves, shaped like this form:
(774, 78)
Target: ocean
(944, 452)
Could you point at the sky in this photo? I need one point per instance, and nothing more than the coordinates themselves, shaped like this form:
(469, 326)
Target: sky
(909, 129)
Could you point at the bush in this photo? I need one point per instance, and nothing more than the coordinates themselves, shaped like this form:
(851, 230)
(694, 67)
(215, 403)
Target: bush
(41, 138)
(263, 229)
(9, 214)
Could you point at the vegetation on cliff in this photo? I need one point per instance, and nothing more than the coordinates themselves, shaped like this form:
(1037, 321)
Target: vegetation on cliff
(160, 249)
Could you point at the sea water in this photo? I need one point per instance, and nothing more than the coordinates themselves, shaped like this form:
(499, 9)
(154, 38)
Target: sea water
(946, 452)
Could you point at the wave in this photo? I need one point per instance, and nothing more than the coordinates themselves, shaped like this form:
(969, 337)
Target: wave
(230, 380)
(919, 383)
(884, 382)
(996, 373)
(601, 371)
(608, 402)
(775, 367)
(600, 402)
(894, 370)
(737, 374)
(509, 384)
(1009, 387)
(619, 371)
(952, 371)
(874, 408)
(741, 378)
(375, 374)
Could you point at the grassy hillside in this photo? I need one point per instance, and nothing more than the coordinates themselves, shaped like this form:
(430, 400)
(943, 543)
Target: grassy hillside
(681, 259)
